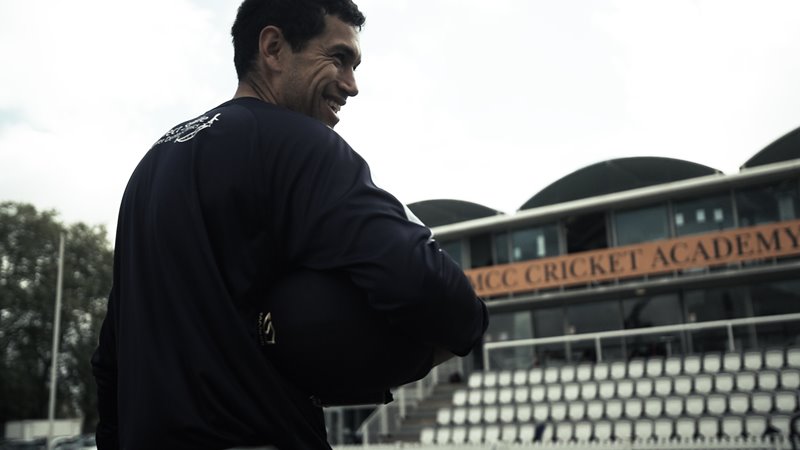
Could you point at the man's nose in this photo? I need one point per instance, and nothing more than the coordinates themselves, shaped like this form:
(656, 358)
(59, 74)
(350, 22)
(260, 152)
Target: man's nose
(347, 83)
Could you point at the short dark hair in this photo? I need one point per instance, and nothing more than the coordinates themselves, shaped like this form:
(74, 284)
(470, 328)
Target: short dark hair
(299, 20)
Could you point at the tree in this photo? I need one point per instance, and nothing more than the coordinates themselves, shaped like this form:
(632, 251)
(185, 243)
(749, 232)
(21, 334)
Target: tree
(28, 272)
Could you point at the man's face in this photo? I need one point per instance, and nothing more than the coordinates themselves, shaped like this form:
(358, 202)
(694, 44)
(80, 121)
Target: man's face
(319, 78)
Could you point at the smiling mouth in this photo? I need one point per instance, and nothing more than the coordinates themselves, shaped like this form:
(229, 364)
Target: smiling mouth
(334, 106)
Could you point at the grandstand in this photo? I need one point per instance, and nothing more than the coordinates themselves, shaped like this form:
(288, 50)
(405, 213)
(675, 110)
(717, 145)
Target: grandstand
(638, 303)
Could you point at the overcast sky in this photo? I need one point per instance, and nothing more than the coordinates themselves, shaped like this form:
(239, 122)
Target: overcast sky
(485, 101)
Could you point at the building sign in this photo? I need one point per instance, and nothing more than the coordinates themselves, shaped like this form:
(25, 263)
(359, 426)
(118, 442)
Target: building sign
(689, 252)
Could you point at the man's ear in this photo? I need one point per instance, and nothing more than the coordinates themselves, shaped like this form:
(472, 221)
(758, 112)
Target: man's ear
(272, 47)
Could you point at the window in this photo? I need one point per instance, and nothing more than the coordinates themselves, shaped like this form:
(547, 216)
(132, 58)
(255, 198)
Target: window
(506, 326)
(480, 250)
(533, 243)
(704, 305)
(645, 312)
(769, 203)
(501, 248)
(703, 215)
(453, 248)
(641, 225)
(586, 232)
(593, 317)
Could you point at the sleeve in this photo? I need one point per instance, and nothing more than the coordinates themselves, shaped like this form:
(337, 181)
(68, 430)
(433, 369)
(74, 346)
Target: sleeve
(104, 368)
(341, 220)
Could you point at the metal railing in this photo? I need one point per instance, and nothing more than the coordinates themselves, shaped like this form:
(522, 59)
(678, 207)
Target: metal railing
(386, 419)
(599, 337)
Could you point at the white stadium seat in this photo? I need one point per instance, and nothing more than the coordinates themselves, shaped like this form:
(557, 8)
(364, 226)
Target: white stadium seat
(636, 368)
(653, 407)
(655, 367)
(583, 431)
(535, 376)
(601, 371)
(673, 406)
(558, 411)
(475, 435)
(459, 416)
(793, 358)
(712, 362)
(427, 436)
(753, 360)
(490, 396)
(786, 401)
(682, 385)
(475, 397)
(554, 392)
(673, 366)
(790, 379)
(567, 374)
(541, 412)
(606, 389)
(490, 379)
(603, 430)
(761, 402)
(504, 378)
(521, 395)
(708, 427)
(491, 414)
(572, 391)
(475, 380)
(524, 412)
(443, 416)
(564, 431)
(739, 403)
(694, 405)
(506, 395)
(614, 409)
(618, 370)
(717, 404)
(685, 429)
(576, 410)
(588, 390)
(509, 433)
(475, 415)
(664, 429)
(538, 393)
(755, 425)
(526, 433)
(691, 365)
(508, 413)
(583, 372)
(460, 397)
(724, 382)
(633, 408)
(732, 427)
(643, 429)
(703, 383)
(625, 388)
(768, 380)
(746, 381)
(459, 435)
(520, 378)
(623, 430)
(644, 387)
(781, 423)
(595, 409)
(551, 375)
(443, 435)
(732, 362)
(662, 386)
(773, 359)
(491, 434)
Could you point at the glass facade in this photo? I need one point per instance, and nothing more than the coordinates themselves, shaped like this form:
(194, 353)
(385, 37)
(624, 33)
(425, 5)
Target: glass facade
(768, 203)
(703, 215)
(641, 225)
(533, 243)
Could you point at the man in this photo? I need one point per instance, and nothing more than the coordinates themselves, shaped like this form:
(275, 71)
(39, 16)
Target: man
(227, 204)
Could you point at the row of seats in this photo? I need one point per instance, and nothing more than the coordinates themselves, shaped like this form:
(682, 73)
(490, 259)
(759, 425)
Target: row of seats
(685, 429)
(695, 405)
(723, 382)
(710, 363)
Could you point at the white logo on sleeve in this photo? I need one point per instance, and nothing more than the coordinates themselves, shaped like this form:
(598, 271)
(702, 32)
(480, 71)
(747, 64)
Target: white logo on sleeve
(188, 130)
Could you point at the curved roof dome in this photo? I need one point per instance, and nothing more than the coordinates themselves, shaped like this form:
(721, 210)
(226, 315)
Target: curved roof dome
(434, 213)
(785, 148)
(616, 175)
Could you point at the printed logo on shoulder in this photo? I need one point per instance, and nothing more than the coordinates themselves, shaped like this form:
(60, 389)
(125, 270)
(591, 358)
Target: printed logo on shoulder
(266, 332)
(188, 130)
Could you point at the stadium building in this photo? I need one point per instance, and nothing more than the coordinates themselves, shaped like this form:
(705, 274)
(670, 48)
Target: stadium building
(636, 271)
